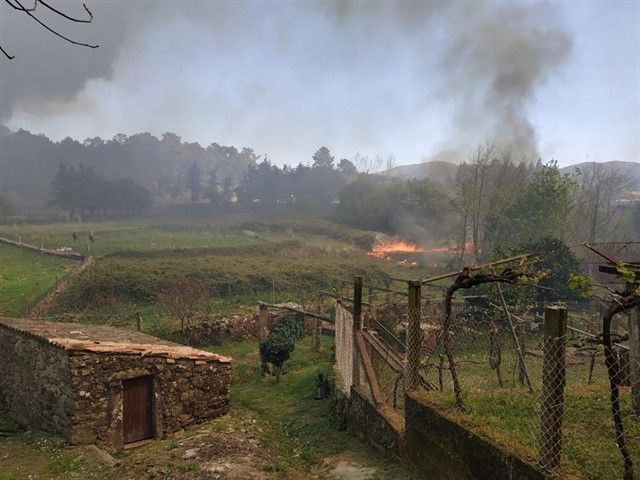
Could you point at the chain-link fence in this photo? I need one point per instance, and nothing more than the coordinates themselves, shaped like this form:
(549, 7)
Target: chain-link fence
(538, 383)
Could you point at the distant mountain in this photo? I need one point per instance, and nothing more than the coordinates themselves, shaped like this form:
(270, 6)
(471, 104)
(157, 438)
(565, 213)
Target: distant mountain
(629, 169)
(440, 171)
(437, 171)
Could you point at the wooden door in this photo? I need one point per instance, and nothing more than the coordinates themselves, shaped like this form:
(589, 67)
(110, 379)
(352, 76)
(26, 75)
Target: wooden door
(137, 409)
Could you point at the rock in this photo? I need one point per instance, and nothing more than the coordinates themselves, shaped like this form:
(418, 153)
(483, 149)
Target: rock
(191, 453)
(348, 471)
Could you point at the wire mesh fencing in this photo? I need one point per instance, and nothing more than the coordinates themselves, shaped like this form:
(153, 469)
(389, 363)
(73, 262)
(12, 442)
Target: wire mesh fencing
(541, 389)
(540, 382)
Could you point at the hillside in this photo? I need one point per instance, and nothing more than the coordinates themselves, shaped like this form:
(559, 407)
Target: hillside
(630, 169)
(442, 171)
(438, 171)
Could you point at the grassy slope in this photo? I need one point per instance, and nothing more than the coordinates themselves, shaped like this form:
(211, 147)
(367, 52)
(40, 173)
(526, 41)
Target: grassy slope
(25, 277)
(138, 235)
(237, 262)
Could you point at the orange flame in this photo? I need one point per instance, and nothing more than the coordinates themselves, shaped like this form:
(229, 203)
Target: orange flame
(383, 250)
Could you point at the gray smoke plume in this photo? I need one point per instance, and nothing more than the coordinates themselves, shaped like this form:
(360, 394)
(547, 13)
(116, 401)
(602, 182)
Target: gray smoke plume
(491, 59)
(287, 78)
(494, 65)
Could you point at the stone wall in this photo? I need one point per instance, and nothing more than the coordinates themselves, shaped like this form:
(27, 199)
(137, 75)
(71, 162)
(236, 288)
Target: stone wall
(383, 430)
(185, 392)
(446, 450)
(35, 383)
(429, 442)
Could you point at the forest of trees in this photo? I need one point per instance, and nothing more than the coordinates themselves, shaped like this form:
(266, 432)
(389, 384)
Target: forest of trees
(499, 203)
(160, 165)
(492, 201)
(81, 191)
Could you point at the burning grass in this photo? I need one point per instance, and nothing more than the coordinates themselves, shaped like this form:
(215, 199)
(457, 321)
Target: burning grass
(387, 249)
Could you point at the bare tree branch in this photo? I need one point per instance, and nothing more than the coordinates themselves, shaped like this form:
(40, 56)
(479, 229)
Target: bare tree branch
(62, 14)
(10, 57)
(74, 42)
(21, 8)
(16, 5)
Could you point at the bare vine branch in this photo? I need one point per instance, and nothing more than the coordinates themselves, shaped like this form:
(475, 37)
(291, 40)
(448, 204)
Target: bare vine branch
(463, 281)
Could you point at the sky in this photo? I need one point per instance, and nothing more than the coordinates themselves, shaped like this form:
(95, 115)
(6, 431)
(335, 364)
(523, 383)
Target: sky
(417, 80)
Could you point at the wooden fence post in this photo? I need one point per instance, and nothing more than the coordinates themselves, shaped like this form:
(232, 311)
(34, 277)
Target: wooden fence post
(553, 383)
(357, 325)
(634, 358)
(414, 337)
(317, 327)
(262, 321)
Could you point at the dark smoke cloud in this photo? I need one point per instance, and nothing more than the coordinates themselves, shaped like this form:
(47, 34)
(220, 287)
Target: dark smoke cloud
(47, 70)
(299, 74)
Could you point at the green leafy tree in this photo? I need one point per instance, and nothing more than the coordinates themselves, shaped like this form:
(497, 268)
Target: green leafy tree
(556, 264)
(347, 167)
(542, 208)
(81, 190)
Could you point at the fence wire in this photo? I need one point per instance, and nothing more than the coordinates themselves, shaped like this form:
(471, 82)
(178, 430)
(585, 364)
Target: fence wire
(545, 398)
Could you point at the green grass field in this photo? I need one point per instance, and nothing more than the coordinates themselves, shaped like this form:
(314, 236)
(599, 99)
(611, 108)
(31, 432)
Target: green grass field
(26, 277)
(170, 233)
(236, 259)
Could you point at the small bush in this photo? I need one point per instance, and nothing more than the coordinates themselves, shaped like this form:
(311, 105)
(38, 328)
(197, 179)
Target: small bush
(279, 344)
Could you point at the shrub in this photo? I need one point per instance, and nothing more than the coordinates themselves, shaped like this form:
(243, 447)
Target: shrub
(279, 344)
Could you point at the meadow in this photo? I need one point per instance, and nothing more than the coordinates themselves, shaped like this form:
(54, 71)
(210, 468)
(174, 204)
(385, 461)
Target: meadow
(509, 415)
(237, 261)
(190, 231)
(26, 277)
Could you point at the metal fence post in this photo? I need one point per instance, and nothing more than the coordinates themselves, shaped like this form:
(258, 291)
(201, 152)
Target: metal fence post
(553, 383)
(357, 324)
(414, 337)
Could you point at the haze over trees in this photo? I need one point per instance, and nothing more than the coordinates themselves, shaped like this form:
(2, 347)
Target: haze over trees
(492, 202)
(160, 165)
(81, 191)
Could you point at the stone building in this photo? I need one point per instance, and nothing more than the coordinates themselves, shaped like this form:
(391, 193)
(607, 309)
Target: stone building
(91, 383)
